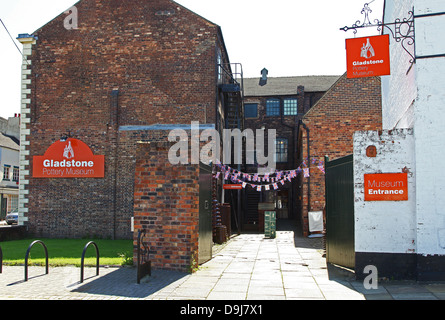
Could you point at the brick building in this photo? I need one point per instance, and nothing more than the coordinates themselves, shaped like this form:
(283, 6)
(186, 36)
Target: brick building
(327, 130)
(279, 104)
(120, 82)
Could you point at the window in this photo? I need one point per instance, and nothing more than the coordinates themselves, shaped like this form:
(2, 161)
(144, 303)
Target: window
(219, 63)
(290, 107)
(6, 172)
(251, 110)
(281, 147)
(13, 202)
(273, 107)
(15, 174)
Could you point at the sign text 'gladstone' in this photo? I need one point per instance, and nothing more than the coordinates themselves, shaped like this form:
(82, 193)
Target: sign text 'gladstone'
(68, 159)
(368, 57)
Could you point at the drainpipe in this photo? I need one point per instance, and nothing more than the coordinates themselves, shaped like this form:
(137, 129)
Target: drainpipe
(292, 193)
(309, 159)
(115, 110)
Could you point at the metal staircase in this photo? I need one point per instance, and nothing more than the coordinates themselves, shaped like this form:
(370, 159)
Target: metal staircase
(231, 84)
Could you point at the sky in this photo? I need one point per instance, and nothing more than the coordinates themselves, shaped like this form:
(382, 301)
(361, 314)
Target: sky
(287, 37)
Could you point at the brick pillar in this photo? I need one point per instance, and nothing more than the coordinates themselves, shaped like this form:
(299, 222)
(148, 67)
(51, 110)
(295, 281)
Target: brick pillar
(304, 186)
(166, 206)
(26, 83)
(301, 104)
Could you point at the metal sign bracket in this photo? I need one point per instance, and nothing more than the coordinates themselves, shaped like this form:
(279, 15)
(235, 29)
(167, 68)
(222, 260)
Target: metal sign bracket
(402, 30)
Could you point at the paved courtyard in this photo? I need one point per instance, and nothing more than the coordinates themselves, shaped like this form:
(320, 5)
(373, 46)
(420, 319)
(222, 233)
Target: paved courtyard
(248, 267)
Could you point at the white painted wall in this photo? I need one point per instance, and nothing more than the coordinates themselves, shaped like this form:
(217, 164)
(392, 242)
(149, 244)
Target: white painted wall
(384, 226)
(9, 187)
(429, 114)
(8, 157)
(398, 90)
(416, 101)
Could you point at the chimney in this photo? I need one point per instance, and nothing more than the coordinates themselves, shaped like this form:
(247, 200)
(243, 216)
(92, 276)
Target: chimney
(263, 79)
(301, 105)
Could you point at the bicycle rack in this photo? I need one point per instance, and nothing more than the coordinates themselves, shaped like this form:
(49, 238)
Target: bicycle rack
(143, 263)
(27, 255)
(83, 259)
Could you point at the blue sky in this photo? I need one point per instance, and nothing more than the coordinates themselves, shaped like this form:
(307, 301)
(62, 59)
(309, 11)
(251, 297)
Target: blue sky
(288, 37)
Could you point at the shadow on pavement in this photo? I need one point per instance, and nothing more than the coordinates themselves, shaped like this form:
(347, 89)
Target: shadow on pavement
(339, 273)
(122, 282)
(300, 241)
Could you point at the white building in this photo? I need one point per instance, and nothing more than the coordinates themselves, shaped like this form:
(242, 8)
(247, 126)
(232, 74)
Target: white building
(9, 164)
(406, 239)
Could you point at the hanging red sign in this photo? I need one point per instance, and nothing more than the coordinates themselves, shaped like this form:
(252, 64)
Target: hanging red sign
(68, 159)
(368, 57)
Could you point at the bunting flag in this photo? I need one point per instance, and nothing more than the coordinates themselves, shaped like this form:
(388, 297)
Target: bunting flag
(321, 166)
(272, 180)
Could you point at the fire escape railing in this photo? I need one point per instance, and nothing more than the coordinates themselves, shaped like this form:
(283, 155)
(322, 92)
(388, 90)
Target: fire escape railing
(230, 80)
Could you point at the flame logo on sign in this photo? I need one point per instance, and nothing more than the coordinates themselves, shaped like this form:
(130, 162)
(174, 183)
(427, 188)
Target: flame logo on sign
(68, 152)
(367, 50)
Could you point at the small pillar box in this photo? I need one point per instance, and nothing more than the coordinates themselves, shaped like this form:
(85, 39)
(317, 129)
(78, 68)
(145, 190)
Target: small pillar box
(262, 208)
(270, 224)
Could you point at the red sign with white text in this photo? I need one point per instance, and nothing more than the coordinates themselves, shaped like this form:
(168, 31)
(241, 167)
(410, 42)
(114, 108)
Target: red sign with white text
(368, 57)
(386, 187)
(232, 186)
(68, 159)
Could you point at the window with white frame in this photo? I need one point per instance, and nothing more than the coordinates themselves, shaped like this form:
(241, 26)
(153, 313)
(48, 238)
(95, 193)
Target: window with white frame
(6, 170)
(15, 174)
(290, 107)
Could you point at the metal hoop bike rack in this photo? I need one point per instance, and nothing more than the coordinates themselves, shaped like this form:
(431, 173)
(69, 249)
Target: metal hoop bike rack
(143, 262)
(27, 255)
(83, 259)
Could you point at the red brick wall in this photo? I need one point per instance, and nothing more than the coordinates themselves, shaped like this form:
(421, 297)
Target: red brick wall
(350, 105)
(164, 68)
(283, 126)
(166, 206)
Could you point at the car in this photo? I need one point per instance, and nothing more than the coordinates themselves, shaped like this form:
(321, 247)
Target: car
(12, 217)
